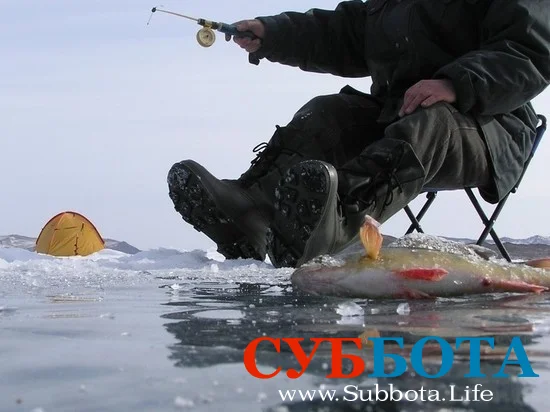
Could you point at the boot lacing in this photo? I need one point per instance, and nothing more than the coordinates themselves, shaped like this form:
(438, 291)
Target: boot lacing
(384, 178)
(265, 159)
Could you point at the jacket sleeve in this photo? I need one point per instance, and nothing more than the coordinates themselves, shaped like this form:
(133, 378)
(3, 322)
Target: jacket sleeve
(513, 64)
(319, 40)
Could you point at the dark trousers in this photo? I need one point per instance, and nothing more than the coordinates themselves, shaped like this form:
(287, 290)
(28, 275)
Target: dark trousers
(337, 128)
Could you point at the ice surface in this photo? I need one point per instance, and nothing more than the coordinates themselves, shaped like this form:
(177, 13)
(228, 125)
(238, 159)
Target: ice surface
(165, 330)
(349, 309)
(21, 269)
(403, 309)
(183, 403)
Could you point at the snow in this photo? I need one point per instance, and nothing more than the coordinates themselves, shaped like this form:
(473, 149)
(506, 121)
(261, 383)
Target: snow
(22, 242)
(28, 243)
(22, 269)
(533, 240)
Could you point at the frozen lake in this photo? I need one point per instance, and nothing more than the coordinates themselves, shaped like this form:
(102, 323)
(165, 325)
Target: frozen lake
(165, 330)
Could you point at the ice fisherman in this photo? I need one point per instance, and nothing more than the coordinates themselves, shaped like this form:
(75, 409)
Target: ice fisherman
(449, 108)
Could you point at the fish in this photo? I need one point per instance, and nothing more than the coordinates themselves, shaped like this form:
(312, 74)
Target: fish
(417, 267)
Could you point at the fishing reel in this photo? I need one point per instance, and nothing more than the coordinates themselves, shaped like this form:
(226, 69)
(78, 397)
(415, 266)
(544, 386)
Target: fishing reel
(206, 36)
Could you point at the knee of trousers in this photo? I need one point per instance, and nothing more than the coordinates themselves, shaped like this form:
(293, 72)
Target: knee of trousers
(324, 119)
(430, 125)
(321, 110)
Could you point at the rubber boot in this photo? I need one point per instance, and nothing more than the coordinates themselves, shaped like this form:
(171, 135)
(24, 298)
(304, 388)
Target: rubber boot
(285, 149)
(235, 214)
(319, 210)
(230, 215)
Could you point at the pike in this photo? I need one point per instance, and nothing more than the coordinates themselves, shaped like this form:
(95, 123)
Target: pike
(417, 267)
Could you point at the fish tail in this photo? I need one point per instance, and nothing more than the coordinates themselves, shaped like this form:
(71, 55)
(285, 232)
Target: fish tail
(501, 285)
(543, 263)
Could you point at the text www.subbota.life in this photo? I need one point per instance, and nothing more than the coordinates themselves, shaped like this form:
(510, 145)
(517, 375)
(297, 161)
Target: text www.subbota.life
(353, 393)
(308, 395)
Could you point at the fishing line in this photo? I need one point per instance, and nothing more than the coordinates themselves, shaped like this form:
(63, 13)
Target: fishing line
(206, 36)
(155, 9)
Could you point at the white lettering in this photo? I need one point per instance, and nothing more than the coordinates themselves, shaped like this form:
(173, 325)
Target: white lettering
(307, 395)
(348, 391)
(352, 393)
(433, 395)
(453, 397)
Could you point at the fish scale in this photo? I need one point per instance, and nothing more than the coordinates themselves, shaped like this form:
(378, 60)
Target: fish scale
(419, 271)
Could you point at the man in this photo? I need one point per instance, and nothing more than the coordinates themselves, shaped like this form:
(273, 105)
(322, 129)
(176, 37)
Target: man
(449, 108)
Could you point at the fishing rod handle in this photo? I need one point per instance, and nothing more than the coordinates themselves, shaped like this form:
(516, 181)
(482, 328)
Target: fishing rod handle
(233, 31)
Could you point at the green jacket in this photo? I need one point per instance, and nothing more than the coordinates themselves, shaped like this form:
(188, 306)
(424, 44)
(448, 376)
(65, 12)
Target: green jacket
(496, 53)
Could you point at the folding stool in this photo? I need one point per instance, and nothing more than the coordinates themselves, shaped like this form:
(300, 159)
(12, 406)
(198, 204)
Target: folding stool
(488, 222)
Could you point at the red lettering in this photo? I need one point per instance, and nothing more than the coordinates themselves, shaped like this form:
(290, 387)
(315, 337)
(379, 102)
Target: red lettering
(338, 356)
(300, 355)
(304, 359)
(250, 357)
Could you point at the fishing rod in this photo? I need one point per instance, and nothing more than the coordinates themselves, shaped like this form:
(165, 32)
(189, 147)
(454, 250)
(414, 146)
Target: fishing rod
(206, 36)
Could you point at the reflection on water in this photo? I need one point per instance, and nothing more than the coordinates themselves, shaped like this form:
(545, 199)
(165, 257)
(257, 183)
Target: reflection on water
(213, 326)
(167, 346)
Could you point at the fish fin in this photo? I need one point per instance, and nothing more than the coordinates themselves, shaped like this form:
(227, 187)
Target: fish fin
(428, 274)
(513, 286)
(371, 237)
(369, 333)
(539, 263)
(506, 329)
(483, 252)
(413, 294)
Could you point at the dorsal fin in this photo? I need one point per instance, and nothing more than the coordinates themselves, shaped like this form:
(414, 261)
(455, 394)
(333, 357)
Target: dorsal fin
(371, 237)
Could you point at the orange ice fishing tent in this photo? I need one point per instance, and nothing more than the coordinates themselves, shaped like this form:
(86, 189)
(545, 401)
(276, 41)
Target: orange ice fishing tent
(69, 234)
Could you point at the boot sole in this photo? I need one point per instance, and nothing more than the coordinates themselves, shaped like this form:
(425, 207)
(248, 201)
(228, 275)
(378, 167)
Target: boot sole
(197, 207)
(303, 198)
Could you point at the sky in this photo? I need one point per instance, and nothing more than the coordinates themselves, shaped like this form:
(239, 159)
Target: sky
(96, 106)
